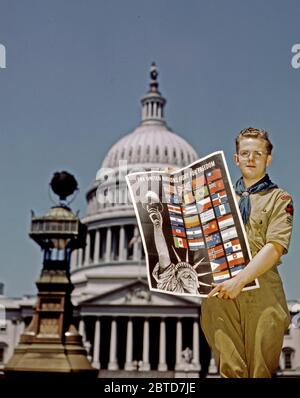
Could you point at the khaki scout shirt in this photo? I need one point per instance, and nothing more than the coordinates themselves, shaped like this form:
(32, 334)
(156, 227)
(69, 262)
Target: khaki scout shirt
(270, 220)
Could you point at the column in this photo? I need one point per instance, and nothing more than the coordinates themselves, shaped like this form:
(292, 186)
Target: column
(113, 364)
(15, 333)
(96, 247)
(129, 346)
(136, 244)
(81, 330)
(21, 329)
(96, 351)
(108, 245)
(125, 247)
(121, 243)
(74, 259)
(178, 342)
(87, 249)
(145, 364)
(144, 112)
(87, 346)
(152, 103)
(196, 347)
(155, 109)
(162, 365)
(212, 369)
(159, 111)
(79, 259)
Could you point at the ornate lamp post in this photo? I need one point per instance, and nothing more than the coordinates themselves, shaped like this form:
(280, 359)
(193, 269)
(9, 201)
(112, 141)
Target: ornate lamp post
(51, 344)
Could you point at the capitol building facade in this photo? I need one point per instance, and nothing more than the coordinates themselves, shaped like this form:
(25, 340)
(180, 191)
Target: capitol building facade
(129, 331)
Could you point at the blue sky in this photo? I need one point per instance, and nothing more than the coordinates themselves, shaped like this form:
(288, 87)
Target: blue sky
(76, 71)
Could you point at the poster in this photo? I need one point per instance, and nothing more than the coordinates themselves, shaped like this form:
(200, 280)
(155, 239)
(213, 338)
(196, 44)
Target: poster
(190, 225)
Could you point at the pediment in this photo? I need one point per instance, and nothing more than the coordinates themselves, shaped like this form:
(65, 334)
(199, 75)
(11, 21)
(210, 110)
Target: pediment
(137, 294)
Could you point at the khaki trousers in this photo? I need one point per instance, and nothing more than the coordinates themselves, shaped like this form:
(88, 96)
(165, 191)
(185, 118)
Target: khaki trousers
(246, 334)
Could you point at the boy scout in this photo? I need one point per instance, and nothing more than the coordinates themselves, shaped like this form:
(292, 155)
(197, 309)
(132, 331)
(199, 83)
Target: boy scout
(245, 329)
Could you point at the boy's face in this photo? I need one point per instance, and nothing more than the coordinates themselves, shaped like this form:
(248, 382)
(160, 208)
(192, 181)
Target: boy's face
(252, 158)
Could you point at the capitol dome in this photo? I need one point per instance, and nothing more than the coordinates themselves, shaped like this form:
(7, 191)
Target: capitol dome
(152, 141)
(151, 145)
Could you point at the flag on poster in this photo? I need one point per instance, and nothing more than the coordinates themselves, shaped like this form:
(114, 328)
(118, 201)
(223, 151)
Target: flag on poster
(213, 240)
(225, 221)
(180, 242)
(178, 231)
(175, 220)
(219, 198)
(210, 227)
(216, 186)
(174, 209)
(195, 232)
(232, 246)
(223, 209)
(207, 216)
(219, 264)
(213, 175)
(235, 259)
(221, 276)
(189, 209)
(215, 252)
(192, 221)
(229, 233)
(204, 204)
(196, 244)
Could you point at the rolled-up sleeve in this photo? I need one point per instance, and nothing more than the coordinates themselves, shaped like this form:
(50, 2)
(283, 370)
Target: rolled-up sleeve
(281, 221)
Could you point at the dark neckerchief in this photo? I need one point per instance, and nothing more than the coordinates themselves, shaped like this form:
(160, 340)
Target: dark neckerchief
(244, 202)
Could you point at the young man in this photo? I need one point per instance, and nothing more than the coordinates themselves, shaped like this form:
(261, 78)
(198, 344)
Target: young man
(245, 329)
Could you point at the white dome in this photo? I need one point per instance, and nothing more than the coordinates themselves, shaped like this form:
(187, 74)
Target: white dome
(150, 146)
(151, 143)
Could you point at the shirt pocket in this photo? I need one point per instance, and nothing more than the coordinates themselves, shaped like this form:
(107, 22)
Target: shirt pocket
(259, 221)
